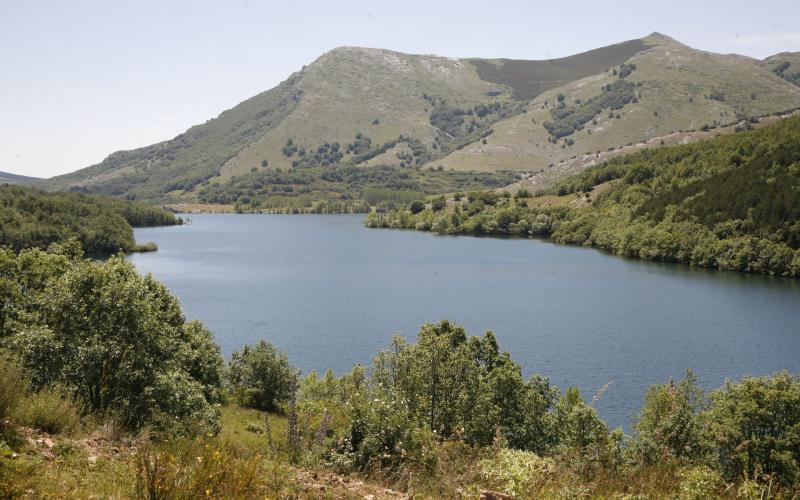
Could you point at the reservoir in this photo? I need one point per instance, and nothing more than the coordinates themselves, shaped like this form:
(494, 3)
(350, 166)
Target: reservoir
(331, 294)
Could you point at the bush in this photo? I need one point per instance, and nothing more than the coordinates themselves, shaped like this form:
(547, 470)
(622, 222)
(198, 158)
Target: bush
(699, 482)
(208, 467)
(261, 377)
(416, 207)
(13, 386)
(669, 424)
(49, 410)
(520, 474)
(446, 385)
(116, 340)
(755, 424)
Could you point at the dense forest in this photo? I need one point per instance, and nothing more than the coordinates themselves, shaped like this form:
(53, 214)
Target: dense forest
(107, 390)
(30, 218)
(732, 202)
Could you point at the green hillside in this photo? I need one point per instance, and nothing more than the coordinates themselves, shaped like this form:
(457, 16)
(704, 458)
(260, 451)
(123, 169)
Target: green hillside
(30, 218)
(786, 65)
(732, 202)
(677, 91)
(9, 178)
(409, 115)
(528, 79)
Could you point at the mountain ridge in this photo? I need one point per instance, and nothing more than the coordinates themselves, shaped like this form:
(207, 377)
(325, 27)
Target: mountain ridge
(371, 107)
(9, 178)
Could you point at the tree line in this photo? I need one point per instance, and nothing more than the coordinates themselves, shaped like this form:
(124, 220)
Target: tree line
(30, 218)
(731, 202)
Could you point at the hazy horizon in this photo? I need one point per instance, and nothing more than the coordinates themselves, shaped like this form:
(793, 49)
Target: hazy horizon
(86, 79)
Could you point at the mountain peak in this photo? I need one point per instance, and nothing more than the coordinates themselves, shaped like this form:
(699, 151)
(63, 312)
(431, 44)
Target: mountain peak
(656, 38)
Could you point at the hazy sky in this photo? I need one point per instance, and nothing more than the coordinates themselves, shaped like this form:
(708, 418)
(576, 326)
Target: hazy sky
(81, 79)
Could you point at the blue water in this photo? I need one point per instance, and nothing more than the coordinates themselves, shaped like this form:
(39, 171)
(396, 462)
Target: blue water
(331, 293)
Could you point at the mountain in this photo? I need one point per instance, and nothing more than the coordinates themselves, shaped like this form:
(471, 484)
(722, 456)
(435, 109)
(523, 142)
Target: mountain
(362, 123)
(786, 65)
(9, 178)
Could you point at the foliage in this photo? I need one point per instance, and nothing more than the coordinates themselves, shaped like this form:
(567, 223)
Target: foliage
(343, 188)
(755, 425)
(50, 410)
(520, 474)
(115, 340)
(13, 386)
(482, 213)
(568, 119)
(668, 426)
(792, 76)
(30, 218)
(458, 127)
(207, 467)
(699, 482)
(446, 385)
(261, 377)
(732, 202)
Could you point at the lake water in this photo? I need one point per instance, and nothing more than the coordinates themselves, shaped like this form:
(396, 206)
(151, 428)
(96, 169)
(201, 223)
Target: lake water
(331, 293)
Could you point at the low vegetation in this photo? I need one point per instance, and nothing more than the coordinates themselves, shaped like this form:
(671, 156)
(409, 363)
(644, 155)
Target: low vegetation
(569, 119)
(394, 425)
(343, 188)
(110, 338)
(32, 218)
(105, 389)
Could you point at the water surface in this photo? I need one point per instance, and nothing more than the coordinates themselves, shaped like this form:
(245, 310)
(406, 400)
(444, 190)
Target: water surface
(331, 293)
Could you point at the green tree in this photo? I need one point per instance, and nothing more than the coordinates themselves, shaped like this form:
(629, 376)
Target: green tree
(755, 426)
(261, 377)
(116, 340)
(669, 425)
(416, 207)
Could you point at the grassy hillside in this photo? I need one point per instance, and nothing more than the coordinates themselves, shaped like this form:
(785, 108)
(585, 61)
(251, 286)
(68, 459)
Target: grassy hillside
(30, 218)
(359, 107)
(528, 79)
(730, 203)
(9, 178)
(677, 90)
(786, 65)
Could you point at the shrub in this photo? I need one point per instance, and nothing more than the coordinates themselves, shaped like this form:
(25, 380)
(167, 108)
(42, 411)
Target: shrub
(261, 377)
(208, 467)
(116, 340)
(416, 207)
(668, 425)
(520, 474)
(446, 385)
(699, 482)
(49, 410)
(755, 424)
(13, 386)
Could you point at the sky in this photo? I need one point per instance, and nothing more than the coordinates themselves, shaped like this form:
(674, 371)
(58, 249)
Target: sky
(82, 79)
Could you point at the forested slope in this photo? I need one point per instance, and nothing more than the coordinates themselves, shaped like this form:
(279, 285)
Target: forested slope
(732, 202)
(30, 218)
